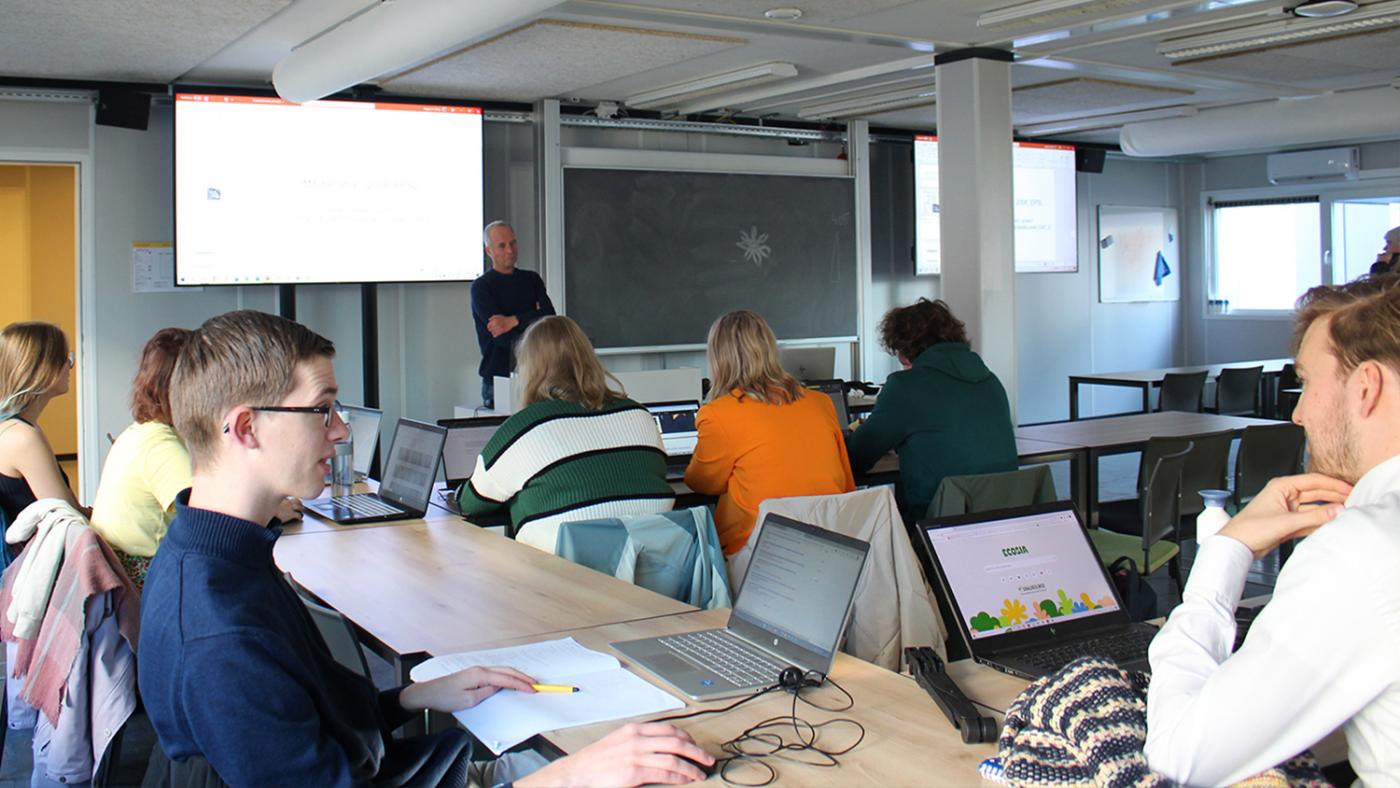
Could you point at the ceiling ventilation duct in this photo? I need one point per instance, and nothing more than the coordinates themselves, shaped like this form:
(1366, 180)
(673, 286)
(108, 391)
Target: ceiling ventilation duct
(389, 37)
(1356, 115)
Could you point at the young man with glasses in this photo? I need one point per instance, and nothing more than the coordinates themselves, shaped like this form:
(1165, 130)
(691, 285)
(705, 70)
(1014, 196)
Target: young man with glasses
(236, 680)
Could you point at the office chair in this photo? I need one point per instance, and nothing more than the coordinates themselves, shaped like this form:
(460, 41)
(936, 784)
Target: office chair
(1182, 391)
(340, 637)
(1205, 468)
(1266, 451)
(1237, 391)
(1158, 541)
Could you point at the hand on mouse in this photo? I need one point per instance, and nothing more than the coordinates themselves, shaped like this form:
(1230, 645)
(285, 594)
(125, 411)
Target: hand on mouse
(636, 754)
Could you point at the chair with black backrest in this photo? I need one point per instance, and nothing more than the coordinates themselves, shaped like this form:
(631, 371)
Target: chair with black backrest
(1183, 391)
(340, 637)
(1287, 383)
(1206, 468)
(1266, 451)
(1158, 541)
(1237, 391)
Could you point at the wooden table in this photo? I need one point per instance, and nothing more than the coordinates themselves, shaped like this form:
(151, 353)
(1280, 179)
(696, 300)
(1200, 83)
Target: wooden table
(1146, 379)
(1121, 434)
(908, 741)
(443, 585)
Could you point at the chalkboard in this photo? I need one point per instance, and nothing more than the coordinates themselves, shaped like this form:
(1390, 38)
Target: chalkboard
(652, 258)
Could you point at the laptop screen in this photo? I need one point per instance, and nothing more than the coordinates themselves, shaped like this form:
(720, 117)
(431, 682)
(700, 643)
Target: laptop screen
(676, 420)
(836, 390)
(1022, 572)
(464, 444)
(411, 468)
(364, 433)
(799, 584)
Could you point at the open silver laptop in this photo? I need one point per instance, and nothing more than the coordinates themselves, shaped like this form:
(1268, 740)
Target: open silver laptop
(409, 474)
(466, 438)
(791, 611)
(364, 434)
(676, 421)
(808, 363)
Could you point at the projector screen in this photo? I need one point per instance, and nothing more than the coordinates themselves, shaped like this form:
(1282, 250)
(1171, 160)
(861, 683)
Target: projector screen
(269, 192)
(1044, 212)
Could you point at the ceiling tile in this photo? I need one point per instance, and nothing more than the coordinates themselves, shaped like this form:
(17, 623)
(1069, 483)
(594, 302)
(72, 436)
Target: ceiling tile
(1078, 97)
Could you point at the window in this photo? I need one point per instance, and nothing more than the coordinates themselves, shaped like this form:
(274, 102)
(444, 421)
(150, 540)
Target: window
(1358, 226)
(1267, 253)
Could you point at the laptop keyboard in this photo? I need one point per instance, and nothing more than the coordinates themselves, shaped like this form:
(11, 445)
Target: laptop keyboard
(1119, 648)
(726, 655)
(365, 505)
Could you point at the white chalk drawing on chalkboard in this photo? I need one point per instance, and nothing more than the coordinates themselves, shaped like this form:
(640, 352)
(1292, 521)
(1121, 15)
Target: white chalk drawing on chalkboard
(755, 246)
(1138, 254)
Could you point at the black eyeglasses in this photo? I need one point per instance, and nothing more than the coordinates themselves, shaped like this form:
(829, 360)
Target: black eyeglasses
(324, 411)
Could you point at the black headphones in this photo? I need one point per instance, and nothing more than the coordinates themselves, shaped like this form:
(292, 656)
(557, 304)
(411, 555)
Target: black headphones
(793, 679)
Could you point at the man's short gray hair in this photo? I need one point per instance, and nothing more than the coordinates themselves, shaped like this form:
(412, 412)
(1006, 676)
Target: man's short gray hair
(486, 231)
(1392, 236)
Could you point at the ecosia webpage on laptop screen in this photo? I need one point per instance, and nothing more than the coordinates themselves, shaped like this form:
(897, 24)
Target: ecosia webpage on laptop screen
(328, 191)
(1021, 572)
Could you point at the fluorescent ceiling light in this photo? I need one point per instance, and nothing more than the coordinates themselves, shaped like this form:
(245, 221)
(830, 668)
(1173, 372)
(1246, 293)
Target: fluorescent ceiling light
(674, 94)
(389, 37)
(1287, 31)
(1324, 9)
(870, 105)
(1102, 121)
(1042, 12)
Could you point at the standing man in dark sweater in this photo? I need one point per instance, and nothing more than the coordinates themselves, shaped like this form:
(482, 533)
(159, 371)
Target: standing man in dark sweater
(236, 679)
(505, 301)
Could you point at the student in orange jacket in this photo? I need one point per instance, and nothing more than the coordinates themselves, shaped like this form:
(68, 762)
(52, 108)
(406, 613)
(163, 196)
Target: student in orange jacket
(761, 434)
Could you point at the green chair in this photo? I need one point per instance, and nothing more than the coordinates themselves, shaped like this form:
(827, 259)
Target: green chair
(1207, 468)
(986, 491)
(1158, 543)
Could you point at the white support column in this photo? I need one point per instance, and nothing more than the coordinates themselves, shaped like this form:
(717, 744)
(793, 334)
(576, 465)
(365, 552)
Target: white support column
(975, 189)
(550, 196)
(858, 156)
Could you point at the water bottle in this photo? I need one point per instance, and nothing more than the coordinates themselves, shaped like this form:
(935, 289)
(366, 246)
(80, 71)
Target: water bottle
(1213, 517)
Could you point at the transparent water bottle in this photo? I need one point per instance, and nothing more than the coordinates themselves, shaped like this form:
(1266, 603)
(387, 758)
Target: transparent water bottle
(1213, 517)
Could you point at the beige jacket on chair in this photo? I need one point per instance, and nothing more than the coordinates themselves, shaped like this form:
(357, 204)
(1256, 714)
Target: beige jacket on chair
(893, 605)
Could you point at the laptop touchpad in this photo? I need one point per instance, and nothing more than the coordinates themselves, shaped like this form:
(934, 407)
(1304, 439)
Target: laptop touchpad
(669, 664)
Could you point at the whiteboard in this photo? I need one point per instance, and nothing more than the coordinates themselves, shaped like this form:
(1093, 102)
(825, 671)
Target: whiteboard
(1139, 254)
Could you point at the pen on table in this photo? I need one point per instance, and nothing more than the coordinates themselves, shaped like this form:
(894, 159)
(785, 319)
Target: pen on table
(553, 688)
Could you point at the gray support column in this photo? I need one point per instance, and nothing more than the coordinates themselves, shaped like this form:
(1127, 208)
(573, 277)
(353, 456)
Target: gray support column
(858, 155)
(975, 193)
(549, 193)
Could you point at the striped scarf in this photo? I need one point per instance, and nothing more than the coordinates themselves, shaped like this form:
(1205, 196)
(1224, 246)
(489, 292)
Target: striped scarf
(1087, 725)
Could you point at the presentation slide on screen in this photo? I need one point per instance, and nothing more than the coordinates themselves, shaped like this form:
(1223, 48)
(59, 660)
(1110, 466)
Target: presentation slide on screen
(1021, 573)
(1044, 212)
(328, 191)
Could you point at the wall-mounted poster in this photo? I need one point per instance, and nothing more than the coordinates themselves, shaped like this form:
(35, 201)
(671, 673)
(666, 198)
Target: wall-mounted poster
(1139, 257)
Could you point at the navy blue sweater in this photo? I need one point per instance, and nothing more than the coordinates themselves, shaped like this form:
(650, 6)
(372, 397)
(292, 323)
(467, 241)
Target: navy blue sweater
(233, 670)
(520, 294)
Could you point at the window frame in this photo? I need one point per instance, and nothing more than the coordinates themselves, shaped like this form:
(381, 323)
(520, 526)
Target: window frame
(1383, 183)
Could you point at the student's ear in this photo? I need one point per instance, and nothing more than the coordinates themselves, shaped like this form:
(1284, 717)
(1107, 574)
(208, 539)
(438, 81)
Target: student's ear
(1369, 382)
(238, 427)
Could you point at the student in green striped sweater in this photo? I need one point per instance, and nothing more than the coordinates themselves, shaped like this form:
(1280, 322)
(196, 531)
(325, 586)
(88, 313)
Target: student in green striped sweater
(577, 450)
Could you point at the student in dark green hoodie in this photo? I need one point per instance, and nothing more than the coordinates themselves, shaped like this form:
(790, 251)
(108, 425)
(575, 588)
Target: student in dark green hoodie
(945, 413)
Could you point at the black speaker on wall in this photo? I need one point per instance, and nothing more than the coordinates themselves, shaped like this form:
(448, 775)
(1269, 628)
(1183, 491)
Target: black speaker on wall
(127, 109)
(1089, 159)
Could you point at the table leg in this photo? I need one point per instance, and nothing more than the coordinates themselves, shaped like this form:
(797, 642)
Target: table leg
(1091, 487)
(1073, 399)
(403, 665)
(1147, 398)
(1078, 485)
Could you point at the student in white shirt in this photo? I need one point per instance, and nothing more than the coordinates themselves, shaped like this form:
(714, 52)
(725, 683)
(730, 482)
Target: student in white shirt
(1325, 651)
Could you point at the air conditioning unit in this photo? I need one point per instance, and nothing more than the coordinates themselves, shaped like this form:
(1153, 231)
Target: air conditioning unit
(1330, 164)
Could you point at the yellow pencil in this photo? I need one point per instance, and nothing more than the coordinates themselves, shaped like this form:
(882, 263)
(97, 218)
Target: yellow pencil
(553, 688)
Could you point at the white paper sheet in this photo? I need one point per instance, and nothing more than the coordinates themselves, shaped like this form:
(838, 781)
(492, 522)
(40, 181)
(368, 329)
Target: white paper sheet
(607, 691)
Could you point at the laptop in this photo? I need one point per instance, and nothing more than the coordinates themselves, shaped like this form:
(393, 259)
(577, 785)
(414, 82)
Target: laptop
(676, 420)
(364, 435)
(808, 363)
(791, 611)
(836, 389)
(1028, 592)
(408, 480)
(465, 440)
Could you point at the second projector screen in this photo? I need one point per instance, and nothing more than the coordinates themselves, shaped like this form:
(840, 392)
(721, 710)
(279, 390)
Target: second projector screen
(1045, 211)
